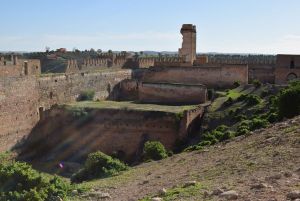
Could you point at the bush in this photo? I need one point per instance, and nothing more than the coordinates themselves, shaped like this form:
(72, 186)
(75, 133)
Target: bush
(242, 97)
(256, 83)
(257, 123)
(237, 84)
(154, 150)
(228, 135)
(253, 100)
(193, 148)
(222, 128)
(18, 181)
(243, 128)
(204, 143)
(264, 93)
(210, 137)
(240, 117)
(99, 165)
(289, 101)
(242, 131)
(87, 95)
(272, 117)
(228, 102)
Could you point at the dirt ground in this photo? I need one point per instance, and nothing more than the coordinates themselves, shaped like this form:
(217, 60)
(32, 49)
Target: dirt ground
(264, 165)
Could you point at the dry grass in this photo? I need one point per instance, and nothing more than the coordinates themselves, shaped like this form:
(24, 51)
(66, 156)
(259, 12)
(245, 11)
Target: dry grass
(131, 106)
(237, 165)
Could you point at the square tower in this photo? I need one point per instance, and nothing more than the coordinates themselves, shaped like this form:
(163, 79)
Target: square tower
(188, 49)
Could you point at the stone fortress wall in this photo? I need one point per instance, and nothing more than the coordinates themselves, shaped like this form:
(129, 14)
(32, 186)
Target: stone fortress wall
(166, 93)
(19, 112)
(25, 94)
(222, 76)
(60, 89)
(127, 129)
(19, 67)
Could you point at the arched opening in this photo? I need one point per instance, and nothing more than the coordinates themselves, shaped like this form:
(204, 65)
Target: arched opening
(291, 76)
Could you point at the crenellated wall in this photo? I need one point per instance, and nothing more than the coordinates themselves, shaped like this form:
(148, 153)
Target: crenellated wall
(19, 67)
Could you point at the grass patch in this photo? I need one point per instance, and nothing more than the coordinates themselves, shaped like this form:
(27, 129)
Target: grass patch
(128, 105)
(181, 193)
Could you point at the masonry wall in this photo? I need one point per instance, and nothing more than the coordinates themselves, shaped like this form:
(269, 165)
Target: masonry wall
(9, 69)
(262, 72)
(167, 93)
(59, 89)
(223, 76)
(24, 98)
(108, 130)
(287, 68)
(284, 75)
(18, 109)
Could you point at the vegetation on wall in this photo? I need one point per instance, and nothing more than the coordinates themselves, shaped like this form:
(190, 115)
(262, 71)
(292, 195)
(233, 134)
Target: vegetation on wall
(87, 95)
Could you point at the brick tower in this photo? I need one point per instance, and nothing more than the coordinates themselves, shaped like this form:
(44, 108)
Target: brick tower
(188, 49)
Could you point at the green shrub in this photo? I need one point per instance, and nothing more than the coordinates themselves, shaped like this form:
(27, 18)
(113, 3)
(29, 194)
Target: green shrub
(237, 84)
(217, 134)
(87, 95)
(231, 112)
(242, 97)
(19, 182)
(228, 135)
(228, 102)
(253, 100)
(193, 148)
(272, 117)
(222, 128)
(209, 137)
(99, 165)
(289, 101)
(243, 128)
(240, 117)
(154, 150)
(204, 143)
(257, 123)
(256, 83)
(264, 93)
(242, 131)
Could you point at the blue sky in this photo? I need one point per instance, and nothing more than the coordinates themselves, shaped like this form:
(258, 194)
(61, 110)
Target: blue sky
(231, 26)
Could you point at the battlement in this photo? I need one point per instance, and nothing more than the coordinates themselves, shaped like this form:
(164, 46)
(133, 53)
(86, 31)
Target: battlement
(15, 67)
(188, 28)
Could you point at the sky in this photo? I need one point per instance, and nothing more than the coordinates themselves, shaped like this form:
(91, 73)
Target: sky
(224, 26)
